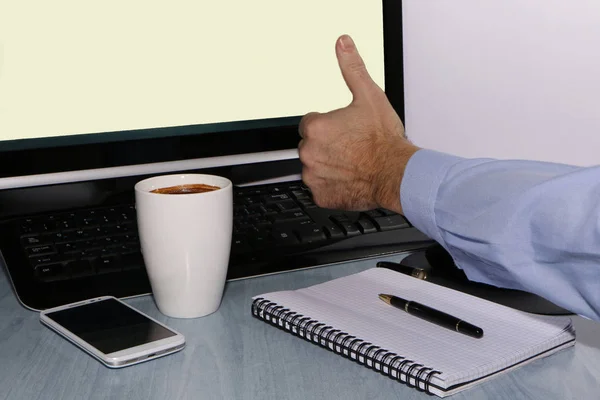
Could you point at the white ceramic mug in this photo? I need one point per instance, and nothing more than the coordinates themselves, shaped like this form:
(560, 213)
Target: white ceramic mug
(185, 241)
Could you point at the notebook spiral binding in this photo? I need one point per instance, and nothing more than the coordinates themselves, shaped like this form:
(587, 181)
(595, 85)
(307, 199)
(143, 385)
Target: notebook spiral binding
(395, 366)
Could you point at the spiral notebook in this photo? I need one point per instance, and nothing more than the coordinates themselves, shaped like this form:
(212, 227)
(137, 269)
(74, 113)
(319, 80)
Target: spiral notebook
(346, 317)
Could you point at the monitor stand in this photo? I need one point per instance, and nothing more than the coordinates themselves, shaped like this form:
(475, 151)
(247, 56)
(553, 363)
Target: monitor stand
(441, 270)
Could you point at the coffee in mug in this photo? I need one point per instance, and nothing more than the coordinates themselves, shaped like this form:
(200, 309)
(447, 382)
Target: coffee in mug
(189, 188)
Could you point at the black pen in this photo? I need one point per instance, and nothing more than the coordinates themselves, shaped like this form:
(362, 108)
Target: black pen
(432, 315)
(418, 273)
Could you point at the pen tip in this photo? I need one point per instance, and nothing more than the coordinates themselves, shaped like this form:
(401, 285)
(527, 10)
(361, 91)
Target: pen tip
(385, 297)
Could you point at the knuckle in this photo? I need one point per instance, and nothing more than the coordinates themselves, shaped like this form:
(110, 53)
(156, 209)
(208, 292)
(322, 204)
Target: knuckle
(302, 152)
(323, 199)
(308, 178)
(319, 200)
(306, 121)
(306, 156)
(314, 127)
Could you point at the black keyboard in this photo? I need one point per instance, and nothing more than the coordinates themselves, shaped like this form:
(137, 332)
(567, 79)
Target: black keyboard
(81, 243)
(68, 256)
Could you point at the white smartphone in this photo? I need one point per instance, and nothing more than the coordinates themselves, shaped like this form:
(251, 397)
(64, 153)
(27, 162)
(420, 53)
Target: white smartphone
(113, 332)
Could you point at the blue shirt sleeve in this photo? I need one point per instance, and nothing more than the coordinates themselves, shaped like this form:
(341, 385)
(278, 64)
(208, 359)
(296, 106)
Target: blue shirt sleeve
(527, 225)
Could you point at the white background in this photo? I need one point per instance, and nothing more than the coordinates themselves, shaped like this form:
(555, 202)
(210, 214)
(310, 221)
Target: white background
(504, 78)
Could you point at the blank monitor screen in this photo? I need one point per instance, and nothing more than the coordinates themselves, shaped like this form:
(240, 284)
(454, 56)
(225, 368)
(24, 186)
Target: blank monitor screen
(69, 68)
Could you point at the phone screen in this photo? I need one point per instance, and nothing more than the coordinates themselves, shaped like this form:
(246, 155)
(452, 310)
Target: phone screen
(109, 325)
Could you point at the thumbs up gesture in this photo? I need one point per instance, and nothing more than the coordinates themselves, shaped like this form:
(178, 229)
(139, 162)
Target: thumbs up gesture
(354, 158)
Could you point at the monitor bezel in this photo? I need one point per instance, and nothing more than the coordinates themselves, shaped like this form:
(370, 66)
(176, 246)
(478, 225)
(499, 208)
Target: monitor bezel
(160, 145)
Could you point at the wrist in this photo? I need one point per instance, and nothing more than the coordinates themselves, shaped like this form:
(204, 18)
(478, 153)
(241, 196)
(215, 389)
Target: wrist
(391, 172)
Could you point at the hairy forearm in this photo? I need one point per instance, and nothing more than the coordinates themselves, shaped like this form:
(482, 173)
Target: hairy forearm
(392, 164)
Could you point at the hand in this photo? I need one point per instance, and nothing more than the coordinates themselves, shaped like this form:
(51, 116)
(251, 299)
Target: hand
(354, 158)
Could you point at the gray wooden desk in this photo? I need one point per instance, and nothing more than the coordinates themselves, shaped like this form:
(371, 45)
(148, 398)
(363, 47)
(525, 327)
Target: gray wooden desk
(231, 355)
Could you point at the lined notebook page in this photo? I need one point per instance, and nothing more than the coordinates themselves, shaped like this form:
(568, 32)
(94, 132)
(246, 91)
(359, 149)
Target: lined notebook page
(351, 304)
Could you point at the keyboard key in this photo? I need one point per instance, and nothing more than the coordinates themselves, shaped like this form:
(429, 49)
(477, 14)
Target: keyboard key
(67, 224)
(270, 210)
(239, 244)
(253, 192)
(284, 237)
(98, 232)
(290, 216)
(124, 241)
(126, 217)
(110, 216)
(349, 229)
(26, 226)
(288, 205)
(104, 241)
(300, 194)
(88, 221)
(111, 230)
(108, 251)
(92, 243)
(261, 241)
(59, 237)
(33, 227)
(307, 204)
(107, 264)
(254, 210)
(88, 213)
(243, 225)
(310, 234)
(304, 222)
(132, 261)
(251, 200)
(78, 254)
(80, 268)
(130, 238)
(51, 272)
(373, 213)
(261, 222)
(239, 211)
(34, 241)
(275, 198)
(241, 231)
(25, 229)
(387, 212)
(276, 190)
(47, 259)
(366, 226)
(38, 225)
(339, 218)
(80, 233)
(333, 231)
(73, 247)
(90, 254)
(122, 248)
(40, 250)
(69, 216)
(391, 222)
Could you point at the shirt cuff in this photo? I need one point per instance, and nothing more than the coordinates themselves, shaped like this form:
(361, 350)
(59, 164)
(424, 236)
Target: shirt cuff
(424, 173)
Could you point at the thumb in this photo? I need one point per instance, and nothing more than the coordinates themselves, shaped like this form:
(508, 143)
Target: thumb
(354, 70)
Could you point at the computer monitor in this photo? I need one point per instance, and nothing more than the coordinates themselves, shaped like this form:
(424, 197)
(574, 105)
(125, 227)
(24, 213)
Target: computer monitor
(89, 93)
(504, 79)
